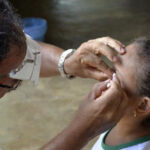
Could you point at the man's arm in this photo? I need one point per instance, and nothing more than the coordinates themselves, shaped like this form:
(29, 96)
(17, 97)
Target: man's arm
(85, 62)
(50, 59)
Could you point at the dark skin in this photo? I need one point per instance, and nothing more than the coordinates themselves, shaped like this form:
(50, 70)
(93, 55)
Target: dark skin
(14, 59)
(130, 126)
(103, 104)
(85, 62)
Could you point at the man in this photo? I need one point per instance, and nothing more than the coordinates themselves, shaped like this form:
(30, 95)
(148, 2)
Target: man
(21, 58)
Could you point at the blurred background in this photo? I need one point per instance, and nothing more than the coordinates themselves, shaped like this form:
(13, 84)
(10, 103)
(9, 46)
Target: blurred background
(31, 116)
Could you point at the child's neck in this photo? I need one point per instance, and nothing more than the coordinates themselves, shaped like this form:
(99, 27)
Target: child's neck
(125, 131)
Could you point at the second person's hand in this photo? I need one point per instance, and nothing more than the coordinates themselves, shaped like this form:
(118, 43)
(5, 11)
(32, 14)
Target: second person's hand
(86, 62)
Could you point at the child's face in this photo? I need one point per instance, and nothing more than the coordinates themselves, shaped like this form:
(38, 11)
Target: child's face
(127, 72)
(127, 69)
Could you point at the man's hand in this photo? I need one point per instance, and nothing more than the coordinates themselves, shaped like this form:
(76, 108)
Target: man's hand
(86, 62)
(100, 110)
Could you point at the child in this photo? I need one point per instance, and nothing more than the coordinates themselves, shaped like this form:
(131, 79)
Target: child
(133, 131)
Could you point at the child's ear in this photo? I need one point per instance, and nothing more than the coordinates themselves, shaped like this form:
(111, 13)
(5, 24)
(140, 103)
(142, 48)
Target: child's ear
(143, 105)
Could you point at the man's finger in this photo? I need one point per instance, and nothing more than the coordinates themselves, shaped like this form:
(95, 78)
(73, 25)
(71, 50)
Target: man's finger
(95, 74)
(115, 82)
(99, 48)
(116, 45)
(99, 88)
(105, 68)
(114, 85)
(114, 90)
(97, 63)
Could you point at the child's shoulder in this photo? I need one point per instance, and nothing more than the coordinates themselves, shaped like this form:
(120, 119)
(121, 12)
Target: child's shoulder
(142, 143)
(98, 144)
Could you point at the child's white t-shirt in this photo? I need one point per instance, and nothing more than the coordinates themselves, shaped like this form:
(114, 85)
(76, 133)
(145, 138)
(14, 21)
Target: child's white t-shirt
(142, 143)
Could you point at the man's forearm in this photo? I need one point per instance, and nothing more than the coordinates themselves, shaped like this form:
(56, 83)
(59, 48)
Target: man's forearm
(50, 59)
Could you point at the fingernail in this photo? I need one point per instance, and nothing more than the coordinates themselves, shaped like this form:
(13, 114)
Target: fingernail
(114, 75)
(123, 50)
(108, 85)
(107, 81)
(115, 59)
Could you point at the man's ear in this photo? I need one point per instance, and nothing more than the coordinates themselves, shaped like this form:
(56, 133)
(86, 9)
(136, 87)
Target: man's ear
(143, 105)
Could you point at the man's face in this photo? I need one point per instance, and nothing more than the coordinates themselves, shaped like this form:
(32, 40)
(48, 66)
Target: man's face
(126, 70)
(13, 60)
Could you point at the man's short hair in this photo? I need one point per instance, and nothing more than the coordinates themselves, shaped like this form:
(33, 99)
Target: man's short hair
(11, 32)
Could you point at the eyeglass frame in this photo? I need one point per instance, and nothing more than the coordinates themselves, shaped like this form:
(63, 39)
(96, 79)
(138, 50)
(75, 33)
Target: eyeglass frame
(10, 88)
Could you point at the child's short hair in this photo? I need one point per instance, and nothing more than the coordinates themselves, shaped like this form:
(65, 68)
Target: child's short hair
(143, 70)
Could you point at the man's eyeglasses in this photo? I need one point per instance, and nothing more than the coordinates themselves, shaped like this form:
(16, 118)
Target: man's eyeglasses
(10, 87)
(13, 87)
